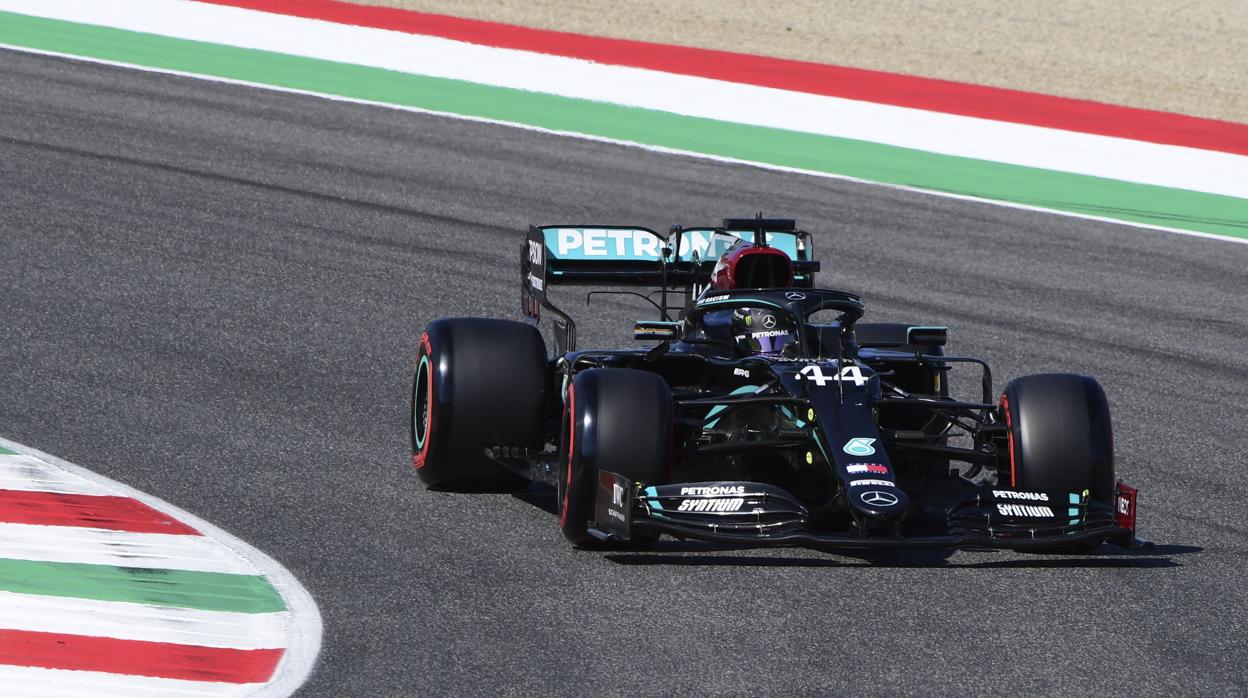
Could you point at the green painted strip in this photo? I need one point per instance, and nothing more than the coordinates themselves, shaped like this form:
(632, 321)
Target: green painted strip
(1153, 205)
(208, 591)
(8, 452)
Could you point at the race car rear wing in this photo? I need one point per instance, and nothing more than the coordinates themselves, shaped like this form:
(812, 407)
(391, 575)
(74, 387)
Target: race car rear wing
(630, 256)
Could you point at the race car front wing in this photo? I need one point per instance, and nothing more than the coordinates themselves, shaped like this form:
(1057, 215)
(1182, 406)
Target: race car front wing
(757, 514)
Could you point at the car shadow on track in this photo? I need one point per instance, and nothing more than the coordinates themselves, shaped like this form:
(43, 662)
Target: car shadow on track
(694, 554)
(541, 496)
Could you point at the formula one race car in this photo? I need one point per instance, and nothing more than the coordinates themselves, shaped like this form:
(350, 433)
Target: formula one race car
(764, 413)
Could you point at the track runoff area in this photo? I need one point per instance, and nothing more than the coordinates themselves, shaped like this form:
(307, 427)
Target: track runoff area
(1073, 157)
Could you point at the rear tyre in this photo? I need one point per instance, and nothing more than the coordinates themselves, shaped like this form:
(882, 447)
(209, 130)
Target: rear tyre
(478, 383)
(618, 420)
(1059, 438)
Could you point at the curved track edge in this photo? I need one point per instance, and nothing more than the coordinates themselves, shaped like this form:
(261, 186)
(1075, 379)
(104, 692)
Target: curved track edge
(297, 617)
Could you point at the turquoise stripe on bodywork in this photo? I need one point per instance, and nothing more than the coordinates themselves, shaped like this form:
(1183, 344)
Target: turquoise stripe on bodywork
(653, 494)
(652, 501)
(789, 413)
(819, 442)
(710, 419)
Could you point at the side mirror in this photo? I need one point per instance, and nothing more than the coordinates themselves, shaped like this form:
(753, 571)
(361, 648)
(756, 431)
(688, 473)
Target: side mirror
(926, 336)
(656, 329)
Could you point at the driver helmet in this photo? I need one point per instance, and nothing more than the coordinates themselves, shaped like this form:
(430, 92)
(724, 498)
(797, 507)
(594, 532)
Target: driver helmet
(759, 331)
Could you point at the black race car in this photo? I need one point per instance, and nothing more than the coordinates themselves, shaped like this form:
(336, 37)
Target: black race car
(763, 413)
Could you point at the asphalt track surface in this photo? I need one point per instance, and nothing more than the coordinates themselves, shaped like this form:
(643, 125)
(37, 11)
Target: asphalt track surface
(213, 294)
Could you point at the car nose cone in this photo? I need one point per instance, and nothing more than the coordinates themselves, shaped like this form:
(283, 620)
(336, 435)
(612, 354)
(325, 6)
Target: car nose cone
(876, 501)
(878, 498)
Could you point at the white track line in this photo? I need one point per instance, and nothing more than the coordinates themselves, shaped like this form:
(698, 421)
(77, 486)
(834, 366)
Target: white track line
(949, 134)
(33, 682)
(97, 546)
(303, 631)
(21, 472)
(132, 621)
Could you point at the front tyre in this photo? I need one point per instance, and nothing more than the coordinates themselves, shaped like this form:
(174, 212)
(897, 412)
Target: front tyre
(478, 383)
(1059, 437)
(618, 420)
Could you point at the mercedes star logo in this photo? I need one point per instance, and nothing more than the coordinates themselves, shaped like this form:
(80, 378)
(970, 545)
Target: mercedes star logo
(795, 296)
(877, 498)
(769, 321)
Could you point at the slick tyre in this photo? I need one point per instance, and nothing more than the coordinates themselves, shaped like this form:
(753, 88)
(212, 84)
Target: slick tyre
(1059, 438)
(618, 420)
(478, 383)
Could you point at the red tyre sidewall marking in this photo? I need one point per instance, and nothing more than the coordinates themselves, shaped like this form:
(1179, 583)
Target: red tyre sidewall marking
(420, 458)
(1009, 430)
(567, 487)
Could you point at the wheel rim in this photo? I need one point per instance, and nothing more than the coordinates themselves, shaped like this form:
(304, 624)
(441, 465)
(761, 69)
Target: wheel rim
(420, 404)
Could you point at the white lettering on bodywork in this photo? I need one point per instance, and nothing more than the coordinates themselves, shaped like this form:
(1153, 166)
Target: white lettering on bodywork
(1012, 494)
(1028, 510)
(711, 504)
(715, 490)
(569, 239)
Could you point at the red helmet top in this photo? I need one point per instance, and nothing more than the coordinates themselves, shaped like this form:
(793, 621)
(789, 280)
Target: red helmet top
(747, 266)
